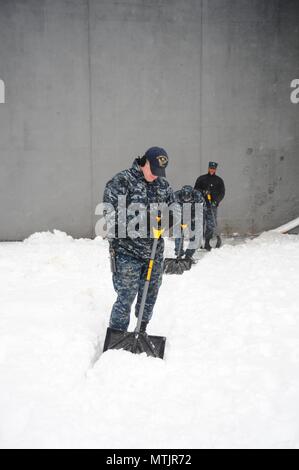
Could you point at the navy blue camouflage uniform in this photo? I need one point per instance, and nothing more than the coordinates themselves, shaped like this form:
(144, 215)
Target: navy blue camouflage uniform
(133, 254)
(194, 197)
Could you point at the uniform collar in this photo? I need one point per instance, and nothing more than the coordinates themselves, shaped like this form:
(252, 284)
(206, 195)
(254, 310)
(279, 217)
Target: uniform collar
(136, 169)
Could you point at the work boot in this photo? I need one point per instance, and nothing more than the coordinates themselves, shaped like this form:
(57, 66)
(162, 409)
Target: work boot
(179, 255)
(143, 327)
(190, 259)
(207, 245)
(189, 256)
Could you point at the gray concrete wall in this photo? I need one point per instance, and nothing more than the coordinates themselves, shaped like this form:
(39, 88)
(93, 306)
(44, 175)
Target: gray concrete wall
(92, 84)
(250, 54)
(45, 173)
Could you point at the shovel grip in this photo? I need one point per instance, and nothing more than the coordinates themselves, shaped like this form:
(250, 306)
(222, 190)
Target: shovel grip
(150, 270)
(157, 235)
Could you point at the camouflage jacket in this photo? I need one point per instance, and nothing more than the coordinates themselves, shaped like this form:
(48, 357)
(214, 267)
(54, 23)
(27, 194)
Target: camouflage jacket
(197, 198)
(136, 190)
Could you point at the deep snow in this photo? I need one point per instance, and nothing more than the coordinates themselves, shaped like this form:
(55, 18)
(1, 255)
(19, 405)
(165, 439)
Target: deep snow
(230, 377)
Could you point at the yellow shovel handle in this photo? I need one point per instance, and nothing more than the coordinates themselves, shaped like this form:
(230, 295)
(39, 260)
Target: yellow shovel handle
(150, 269)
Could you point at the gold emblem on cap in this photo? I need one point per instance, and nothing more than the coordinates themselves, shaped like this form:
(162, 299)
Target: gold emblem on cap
(163, 160)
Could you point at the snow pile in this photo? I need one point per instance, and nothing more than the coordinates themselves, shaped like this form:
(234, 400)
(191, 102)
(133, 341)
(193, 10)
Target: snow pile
(230, 377)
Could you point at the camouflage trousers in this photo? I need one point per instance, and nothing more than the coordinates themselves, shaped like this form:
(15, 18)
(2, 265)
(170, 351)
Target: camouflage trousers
(128, 282)
(209, 229)
(211, 218)
(189, 252)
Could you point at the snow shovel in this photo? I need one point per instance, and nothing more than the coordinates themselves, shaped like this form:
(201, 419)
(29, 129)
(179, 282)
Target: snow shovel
(136, 341)
(178, 265)
(216, 239)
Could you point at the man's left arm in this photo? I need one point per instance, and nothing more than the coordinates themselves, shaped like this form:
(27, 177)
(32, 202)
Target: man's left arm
(219, 193)
(221, 190)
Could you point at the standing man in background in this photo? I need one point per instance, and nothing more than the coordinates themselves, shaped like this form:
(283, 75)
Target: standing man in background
(213, 189)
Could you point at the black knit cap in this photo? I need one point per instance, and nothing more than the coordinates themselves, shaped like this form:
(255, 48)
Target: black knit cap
(186, 193)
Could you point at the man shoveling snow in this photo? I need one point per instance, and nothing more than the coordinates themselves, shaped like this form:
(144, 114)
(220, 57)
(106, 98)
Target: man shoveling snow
(137, 262)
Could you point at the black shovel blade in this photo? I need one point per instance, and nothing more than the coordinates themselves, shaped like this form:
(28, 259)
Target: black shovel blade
(136, 343)
(176, 265)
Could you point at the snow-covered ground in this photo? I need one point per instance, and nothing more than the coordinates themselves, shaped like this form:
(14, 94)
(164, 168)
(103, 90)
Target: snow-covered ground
(230, 377)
